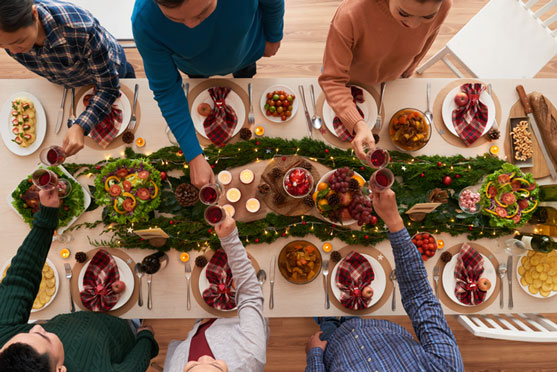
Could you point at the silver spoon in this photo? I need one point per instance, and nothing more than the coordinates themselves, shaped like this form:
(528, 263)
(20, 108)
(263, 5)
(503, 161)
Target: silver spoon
(315, 120)
(139, 272)
(393, 279)
(502, 271)
(261, 276)
(428, 113)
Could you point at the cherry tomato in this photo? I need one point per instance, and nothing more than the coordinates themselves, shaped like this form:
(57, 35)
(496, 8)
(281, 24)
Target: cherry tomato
(431, 239)
(280, 109)
(275, 97)
(272, 109)
(290, 98)
(276, 114)
(420, 243)
(424, 257)
(269, 113)
(418, 237)
(290, 108)
(283, 117)
(414, 241)
(288, 114)
(269, 95)
(285, 104)
(278, 103)
(281, 97)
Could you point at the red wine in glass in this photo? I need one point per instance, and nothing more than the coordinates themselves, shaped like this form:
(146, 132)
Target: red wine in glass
(214, 214)
(45, 179)
(64, 188)
(210, 194)
(53, 156)
(377, 158)
(381, 179)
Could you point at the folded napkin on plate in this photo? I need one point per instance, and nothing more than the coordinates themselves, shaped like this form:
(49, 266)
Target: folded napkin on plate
(220, 295)
(105, 132)
(354, 273)
(470, 120)
(97, 294)
(219, 125)
(468, 270)
(341, 131)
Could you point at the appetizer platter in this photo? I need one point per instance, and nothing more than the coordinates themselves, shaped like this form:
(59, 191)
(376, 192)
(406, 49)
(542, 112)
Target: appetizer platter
(537, 273)
(409, 129)
(279, 103)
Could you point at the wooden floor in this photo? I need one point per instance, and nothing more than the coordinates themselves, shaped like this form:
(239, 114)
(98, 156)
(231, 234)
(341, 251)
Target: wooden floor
(306, 25)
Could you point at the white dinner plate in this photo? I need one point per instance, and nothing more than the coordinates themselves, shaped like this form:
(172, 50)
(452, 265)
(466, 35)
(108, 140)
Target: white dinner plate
(126, 276)
(6, 128)
(121, 102)
(449, 106)
(378, 284)
(86, 199)
(525, 289)
(288, 91)
(233, 100)
(449, 281)
(368, 107)
(204, 284)
(56, 277)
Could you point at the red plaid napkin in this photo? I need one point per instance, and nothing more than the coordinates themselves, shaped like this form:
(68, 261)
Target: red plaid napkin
(105, 132)
(343, 133)
(468, 270)
(97, 294)
(220, 295)
(220, 123)
(353, 275)
(470, 120)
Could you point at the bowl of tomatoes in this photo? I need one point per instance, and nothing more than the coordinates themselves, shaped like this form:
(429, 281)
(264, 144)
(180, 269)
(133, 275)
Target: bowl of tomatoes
(279, 103)
(426, 244)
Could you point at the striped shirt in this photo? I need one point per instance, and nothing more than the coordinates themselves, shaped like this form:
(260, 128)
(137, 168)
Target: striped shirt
(77, 51)
(360, 345)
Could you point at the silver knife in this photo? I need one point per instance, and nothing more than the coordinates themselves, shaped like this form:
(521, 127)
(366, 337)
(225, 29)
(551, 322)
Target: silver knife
(510, 279)
(61, 111)
(528, 110)
(308, 118)
(272, 281)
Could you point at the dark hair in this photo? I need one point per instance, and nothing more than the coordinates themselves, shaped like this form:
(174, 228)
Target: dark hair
(19, 357)
(15, 14)
(170, 3)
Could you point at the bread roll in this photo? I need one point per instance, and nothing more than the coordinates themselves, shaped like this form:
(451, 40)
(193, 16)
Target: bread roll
(546, 117)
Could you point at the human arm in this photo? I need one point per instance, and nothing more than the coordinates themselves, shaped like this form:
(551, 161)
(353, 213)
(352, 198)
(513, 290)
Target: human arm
(138, 358)
(273, 19)
(21, 284)
(421, 305)
(315, 349)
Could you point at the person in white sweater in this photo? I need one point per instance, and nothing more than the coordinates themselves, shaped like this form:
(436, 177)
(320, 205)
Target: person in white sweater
(233, 344)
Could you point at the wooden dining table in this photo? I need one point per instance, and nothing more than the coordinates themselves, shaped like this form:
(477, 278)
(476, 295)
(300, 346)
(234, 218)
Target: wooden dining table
(291, 300)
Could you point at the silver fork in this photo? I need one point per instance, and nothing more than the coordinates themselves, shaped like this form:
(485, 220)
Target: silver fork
(131, 124)
(379, 121)
(188, 277)
(325, 277)
(436, 279)
(393, 279)
(502, 271)
(490, 91)
(251, 115)
(149, 296)
(68, 269)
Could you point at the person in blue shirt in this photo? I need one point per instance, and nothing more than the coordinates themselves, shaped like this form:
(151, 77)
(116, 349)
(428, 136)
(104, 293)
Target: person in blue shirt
(361, 345)
(201, 38)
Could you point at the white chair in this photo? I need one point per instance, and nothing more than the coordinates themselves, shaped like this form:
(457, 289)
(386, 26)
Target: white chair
(515, 327)
(506, 39)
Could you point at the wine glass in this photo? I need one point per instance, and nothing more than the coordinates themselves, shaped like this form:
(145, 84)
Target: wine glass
(52, 156)
(45, 179)
(515, 247)
(214, 215)
(381, 179)
(377, 158)
(64, 188)
(210, 194)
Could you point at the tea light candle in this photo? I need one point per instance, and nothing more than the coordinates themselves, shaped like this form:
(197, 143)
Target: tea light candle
(65, 253)
(247, 176)
(253, 205)
(225, 177)
(233, 195)
(184, 257)
(494, 150)
(259, 131)
(327, 247)
(440, 244)
(140, 142)
(230, 210)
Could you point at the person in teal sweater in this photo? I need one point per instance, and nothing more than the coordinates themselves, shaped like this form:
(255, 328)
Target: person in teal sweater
(201, 38)
(75, 342)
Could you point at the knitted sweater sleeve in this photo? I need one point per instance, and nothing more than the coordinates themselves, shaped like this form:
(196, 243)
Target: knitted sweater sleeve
(138, 358)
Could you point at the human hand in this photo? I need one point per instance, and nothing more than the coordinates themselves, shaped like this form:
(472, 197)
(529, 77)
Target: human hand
(363, 138)
(146, 328)
(271, 49)
(201, 173)
(226, 227)
(73, 140)
(315, 341)
(385, 206)
(49, 198)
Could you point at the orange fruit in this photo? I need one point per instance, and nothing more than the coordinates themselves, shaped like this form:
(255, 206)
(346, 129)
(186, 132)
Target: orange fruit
(360, 180)
(315, 196)
(322, 186)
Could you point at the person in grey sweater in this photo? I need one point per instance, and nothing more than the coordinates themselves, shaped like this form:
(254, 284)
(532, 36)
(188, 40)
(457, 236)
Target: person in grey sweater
(233, 344)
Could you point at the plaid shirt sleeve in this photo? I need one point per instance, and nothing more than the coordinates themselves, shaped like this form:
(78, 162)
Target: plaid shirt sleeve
(314, 361)
(422, 306)
(107, 82)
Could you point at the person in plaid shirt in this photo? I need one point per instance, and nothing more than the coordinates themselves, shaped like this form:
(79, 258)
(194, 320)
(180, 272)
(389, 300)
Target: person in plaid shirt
(358, 345)
(68, 46)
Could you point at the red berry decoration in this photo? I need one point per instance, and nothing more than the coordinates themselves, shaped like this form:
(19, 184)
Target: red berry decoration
(457, 176)
(210, 231)
(164, 176)
(439, 164)
(470, 228)
(304, 223)
(257, 240)
(373, 220)
(362, 169)
(283, 234)
(257, 143)
(171, 222)
(180, 152)
(284, 158)
(447, 181)
(98, 167)
(422, 175)
(366, 237)
(326, 151)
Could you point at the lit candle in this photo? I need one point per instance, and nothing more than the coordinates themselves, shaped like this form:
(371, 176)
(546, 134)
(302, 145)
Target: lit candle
(184, 257)
(230, 210)
(247, 176)
(327, 247)
(233, 195)
(494, 150)
(253, 205)
(440, 244)
(140, 142)
(259, 131)
(65, 253)
(225, 177)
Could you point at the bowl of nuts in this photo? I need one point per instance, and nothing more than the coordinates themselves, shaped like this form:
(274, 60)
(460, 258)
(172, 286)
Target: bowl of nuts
(521, 141)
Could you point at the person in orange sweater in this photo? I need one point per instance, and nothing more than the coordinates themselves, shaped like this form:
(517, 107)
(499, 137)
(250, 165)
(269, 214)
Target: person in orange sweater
(371, 42)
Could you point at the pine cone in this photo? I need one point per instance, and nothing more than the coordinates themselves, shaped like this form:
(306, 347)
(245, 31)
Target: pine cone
(438, 196)
(128, 137)
(279, 199)
(308, 200)
(333, 200)
(263, 188)
(306, 165)
(201, 261)
(354, 185)
(245, 134)
(446, 257)
(336, 256)
(493, 134)
(187, 195)
(81, 257)
(276, 173)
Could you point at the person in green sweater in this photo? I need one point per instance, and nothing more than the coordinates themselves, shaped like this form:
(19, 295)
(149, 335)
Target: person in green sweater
(75, 342)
